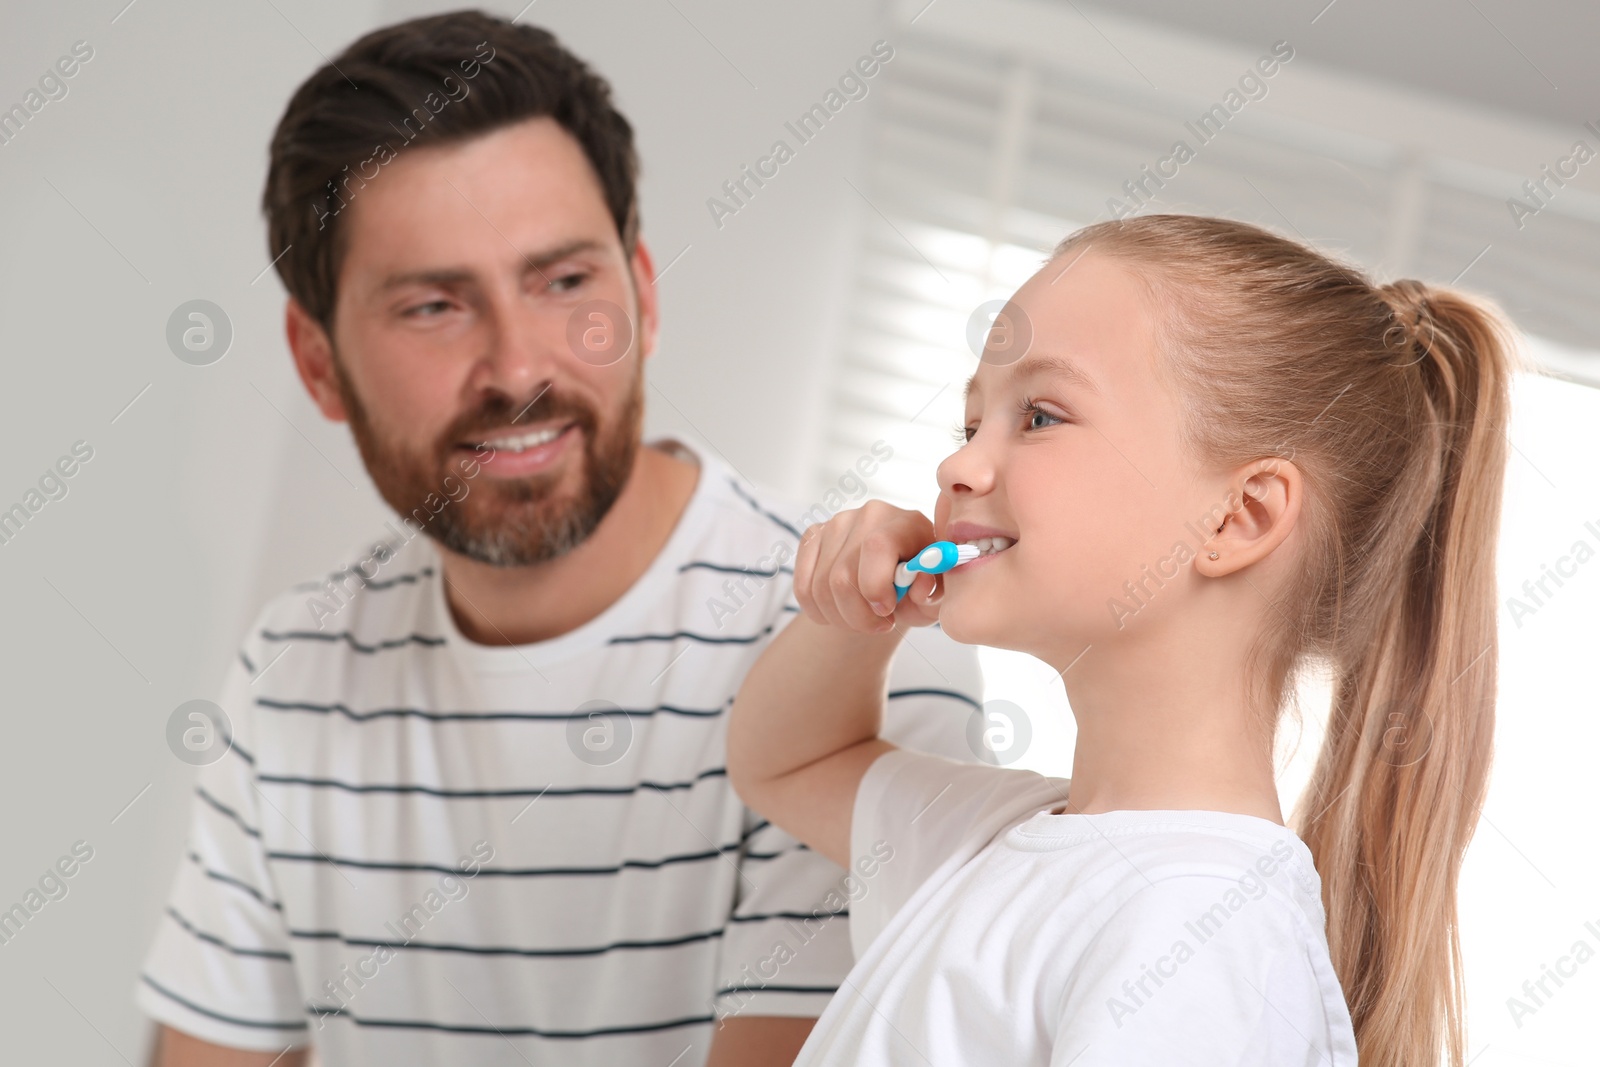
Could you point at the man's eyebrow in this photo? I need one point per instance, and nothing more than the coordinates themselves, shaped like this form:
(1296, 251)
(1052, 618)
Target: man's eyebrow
(1034, 366)
(456, 275)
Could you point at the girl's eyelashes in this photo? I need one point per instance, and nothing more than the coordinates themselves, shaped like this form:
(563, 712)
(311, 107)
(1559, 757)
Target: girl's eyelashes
(1027, 409)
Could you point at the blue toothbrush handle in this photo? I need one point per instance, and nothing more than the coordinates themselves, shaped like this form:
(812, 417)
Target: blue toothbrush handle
(947, 556)
(900, 590)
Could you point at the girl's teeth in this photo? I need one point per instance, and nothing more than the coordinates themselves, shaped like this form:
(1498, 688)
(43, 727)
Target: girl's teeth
(990, 545)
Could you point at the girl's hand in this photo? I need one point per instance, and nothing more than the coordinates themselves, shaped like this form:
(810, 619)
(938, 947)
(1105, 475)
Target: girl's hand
(844, 570)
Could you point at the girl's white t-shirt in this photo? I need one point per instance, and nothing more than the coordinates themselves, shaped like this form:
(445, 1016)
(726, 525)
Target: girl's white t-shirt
(987, 930)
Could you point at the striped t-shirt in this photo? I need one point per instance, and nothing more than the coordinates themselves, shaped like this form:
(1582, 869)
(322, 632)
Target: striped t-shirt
(424, 850)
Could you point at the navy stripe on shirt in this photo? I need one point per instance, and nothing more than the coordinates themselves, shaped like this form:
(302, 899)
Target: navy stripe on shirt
(517, 872)
(747, 498)
(454, 794)
(504, 950)
(298, 1024)
(200, 791)
(485, 716)
(212, 939)
(746, 987)
(366, 583)
(629, 639)
(230, 880)
(509, 1031)
(349, 638)
(559, 716)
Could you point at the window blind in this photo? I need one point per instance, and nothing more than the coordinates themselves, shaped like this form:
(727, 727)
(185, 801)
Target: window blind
(980, 161)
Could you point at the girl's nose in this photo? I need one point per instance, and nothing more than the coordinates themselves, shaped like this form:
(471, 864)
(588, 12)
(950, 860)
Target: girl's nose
(967, 470)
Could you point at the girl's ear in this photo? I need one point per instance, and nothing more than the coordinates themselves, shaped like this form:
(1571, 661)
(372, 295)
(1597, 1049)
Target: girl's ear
(1268, 492)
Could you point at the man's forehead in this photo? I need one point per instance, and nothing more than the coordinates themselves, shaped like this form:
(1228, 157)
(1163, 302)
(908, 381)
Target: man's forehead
(501, 180)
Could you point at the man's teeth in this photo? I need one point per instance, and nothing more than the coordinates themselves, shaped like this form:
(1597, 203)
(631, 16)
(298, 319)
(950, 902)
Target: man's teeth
(990, 545)
(523, 442)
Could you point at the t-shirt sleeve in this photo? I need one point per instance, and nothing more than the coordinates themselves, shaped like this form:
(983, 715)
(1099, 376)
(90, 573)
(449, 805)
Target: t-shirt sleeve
(786, 946)
(1192, 970)
(917, 811)
(789, 942)
(219, 967)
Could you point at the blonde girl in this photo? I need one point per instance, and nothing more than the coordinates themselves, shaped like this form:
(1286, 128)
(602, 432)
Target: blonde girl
(1221, 460)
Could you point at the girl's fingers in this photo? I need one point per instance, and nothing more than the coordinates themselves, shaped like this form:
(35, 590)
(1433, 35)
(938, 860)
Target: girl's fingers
(805, 568)
(845, 583)
(846, 565)
(915, 608)
(830, 578)
(832, 538)
(880, 555)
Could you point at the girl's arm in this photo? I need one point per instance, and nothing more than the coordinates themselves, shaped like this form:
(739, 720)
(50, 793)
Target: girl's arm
(804, 726)
(804, 729)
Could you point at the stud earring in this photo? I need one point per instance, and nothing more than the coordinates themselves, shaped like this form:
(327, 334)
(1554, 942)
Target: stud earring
(1213, 555)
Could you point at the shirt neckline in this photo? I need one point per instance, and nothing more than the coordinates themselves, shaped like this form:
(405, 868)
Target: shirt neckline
(1042, 831)
(1044, 827)
(621, 615)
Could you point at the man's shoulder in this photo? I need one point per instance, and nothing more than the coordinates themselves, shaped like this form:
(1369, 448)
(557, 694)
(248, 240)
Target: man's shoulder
(755, 513)
(752, 511)
(328, 602)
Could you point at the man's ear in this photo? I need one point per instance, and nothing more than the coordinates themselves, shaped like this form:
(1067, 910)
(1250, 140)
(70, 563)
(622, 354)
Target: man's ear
(643, 269)
(1267, 495)
(313, 358)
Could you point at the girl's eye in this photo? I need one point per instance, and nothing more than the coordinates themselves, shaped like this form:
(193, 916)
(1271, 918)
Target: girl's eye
(1028, 409)
(1024, 408)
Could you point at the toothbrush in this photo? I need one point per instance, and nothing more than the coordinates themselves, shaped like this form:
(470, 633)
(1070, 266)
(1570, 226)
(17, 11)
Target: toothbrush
(935, 559)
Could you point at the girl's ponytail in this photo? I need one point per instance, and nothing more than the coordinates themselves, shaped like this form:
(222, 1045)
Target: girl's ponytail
(1404, 766)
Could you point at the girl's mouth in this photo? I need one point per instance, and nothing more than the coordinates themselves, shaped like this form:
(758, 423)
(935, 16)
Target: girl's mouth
(988, 547)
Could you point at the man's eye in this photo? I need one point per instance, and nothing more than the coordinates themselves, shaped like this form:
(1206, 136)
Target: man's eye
(419, 308)
(566, 282)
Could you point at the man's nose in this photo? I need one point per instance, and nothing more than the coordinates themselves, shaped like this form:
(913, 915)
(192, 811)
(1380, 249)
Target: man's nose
(523, 347)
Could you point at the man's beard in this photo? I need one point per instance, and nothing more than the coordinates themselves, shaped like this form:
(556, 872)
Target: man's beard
(501, 521)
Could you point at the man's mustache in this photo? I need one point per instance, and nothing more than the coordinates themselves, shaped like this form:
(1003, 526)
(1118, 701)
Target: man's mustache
(502, 414)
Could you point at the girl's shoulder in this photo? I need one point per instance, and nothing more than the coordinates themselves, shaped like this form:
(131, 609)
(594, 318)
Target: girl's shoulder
(1187, 923)
(1139, 862)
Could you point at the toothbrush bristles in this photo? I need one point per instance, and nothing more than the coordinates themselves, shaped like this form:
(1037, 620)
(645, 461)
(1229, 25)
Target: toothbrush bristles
(966, 553)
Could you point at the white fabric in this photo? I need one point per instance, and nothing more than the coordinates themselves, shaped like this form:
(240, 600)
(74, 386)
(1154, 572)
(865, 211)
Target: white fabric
(991, 931)
(401, 796)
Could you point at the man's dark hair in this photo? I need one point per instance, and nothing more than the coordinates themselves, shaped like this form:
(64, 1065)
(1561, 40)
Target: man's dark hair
(429, 81)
